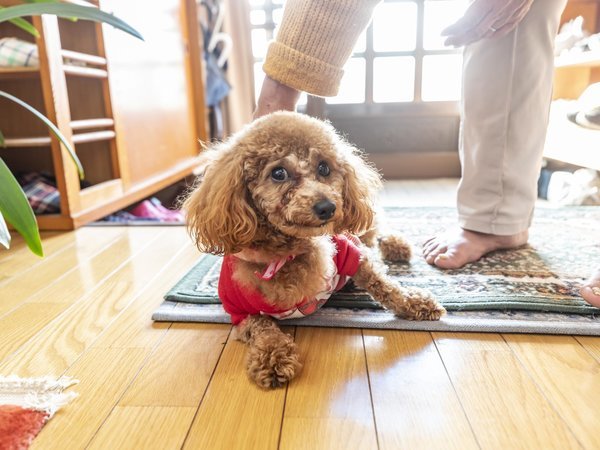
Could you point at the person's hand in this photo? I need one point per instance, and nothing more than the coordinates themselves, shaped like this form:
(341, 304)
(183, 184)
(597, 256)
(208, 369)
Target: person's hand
(275, 96)
(486, 19)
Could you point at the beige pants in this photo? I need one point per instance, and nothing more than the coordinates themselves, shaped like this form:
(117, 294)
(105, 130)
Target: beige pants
(507, 88)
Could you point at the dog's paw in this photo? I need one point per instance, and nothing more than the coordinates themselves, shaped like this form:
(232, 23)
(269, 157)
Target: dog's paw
(272, 363)
(394, 248)
(421, 305)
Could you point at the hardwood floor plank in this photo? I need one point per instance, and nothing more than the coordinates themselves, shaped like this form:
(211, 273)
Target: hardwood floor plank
(414, 401)
(93, 271)
(134, 327)
(591, 344)
(103, 374)
(503, 405)
(329, 405)
(39, 309)
(16, 243)
(235, 413)
(19, 258)
(179, 369)
(41, 276)
(52, 241)
(575, 394)
(148, 427)
(19, 326)
(55, 348)
(68, 289)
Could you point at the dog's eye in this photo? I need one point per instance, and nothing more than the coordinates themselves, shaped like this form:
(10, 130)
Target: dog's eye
(323, 169)
(279, 174)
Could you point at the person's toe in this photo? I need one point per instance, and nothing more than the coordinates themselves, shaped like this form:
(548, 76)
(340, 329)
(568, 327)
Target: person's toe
(590, 291)
(449, 260)
(429, 246)
(435, 252)
(591, 294)
(429, 241)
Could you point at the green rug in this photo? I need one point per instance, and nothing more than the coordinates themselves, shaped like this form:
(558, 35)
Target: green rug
(544, 276)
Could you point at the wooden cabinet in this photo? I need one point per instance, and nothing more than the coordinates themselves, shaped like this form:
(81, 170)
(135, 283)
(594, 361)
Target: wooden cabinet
(134, 111)
(566, 141)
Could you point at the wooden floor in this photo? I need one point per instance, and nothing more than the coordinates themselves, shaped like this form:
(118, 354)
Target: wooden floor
(84, 311)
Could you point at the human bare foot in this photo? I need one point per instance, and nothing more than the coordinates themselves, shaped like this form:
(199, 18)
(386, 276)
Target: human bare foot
(275, 96)
(454, 249)
(591, 290)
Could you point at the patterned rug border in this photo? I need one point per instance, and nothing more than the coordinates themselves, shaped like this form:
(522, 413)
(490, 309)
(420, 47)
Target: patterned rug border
(456, 321)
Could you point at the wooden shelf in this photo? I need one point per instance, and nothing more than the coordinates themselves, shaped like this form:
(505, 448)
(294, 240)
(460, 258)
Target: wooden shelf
(569, 142)
(40, 141)
(11, 73)
(583, 59)
(84, 57)
(83, 71)
(93, 136)
(87, 124)
(44, 141)
(111, 196)
(109, 117)
(18, 72)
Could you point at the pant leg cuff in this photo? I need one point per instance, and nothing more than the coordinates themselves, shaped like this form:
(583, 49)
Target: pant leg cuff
(490, 227)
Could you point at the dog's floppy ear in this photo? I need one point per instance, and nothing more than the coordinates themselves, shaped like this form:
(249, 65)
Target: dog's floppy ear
(362, 183)
(220, 217)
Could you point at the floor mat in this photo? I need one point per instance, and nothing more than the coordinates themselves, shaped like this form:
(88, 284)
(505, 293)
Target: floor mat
(530, 289)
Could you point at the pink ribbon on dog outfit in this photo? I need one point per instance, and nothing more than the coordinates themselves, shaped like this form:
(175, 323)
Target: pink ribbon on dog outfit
(273, 268)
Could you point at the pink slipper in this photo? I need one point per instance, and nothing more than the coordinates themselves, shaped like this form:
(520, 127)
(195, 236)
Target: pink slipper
(154, 210)
(174, 214)
(146, 210)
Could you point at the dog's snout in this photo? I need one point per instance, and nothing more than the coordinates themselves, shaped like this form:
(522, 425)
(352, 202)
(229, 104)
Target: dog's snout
(324, 209)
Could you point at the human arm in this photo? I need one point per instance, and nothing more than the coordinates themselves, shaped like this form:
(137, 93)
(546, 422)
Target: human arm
(314, 41)
(275, 96)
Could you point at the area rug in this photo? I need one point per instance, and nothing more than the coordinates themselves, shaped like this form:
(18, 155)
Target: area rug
(26, 404)
(530, 289)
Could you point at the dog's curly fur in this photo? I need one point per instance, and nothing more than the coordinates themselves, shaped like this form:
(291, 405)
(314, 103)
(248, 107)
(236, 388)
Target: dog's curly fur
(239, 207)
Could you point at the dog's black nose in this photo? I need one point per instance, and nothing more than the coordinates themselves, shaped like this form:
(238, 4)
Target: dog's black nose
(324, 209)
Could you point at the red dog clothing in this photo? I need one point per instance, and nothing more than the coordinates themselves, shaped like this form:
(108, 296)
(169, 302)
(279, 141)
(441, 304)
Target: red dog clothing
(243, 301)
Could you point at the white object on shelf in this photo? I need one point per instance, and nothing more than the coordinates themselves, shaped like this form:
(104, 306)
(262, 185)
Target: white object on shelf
(15, 52)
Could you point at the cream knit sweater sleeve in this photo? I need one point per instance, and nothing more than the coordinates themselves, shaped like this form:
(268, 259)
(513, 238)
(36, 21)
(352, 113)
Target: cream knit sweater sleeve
(315, 40)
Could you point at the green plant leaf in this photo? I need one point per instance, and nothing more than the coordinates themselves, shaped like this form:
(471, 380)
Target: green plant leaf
(16, 209)
(2, 139)
(68, 11)
(72, 19)
(4, 233)
(50, 125)
(25, 25)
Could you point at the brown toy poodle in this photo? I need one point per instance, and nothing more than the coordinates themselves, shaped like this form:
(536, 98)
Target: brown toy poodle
(283, 200)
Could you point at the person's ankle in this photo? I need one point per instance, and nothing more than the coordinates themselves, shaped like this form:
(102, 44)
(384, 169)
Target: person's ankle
(275, 96)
